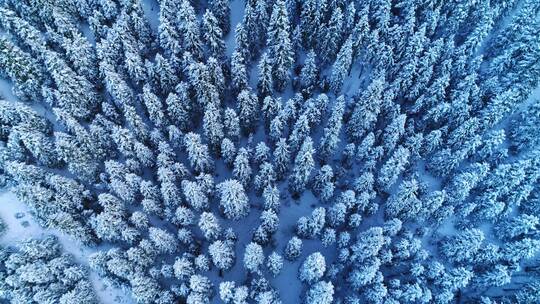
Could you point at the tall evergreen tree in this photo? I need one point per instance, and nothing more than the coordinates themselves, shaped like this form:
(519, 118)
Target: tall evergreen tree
(330, 138)
(303, 165)
(280, 45)
(213, 35)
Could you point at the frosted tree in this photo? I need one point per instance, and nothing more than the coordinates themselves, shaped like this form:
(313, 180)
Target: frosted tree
(23, 70)
(239, 74)
(183, 216)
(168, 31)
(200, 285)
(330, 139)
(74, 93)
(266, 82)
(189, 27)
(194, 195)
(310, 227)
(405, 204)
(222, 12)
(233, 200)
(197, 152)
(269, 225)
(179, 107)
(256, 21)
(270, 109)
(34, 266)
(253, 257)
(337, 214)
(213, 125)
(154, 106)
(497, 277)
(394, 166)
(331, 35)
(341, 66)
(209, 225)
(529, 293)
(323, 183)
(364, 273)
(366, 109)
(313, 268)
(242, 41)
(303, 165)
(368, 244)
(265, 178)
(293, 248)
(213, 35)
(311, 16)
(222, 254)
(520, 225)
(262, 153)
(320, 293)
(463, 246)
(462, 183)
(231, 122)
(310, 72)
(162, 240)
(248, 111)
(228, 151)
(274, 263)
(519, 250)
(300, 131)
(280, 45)
(393, 132)
(281, 158)
(492, 149)
(242, 168)
(271, 198)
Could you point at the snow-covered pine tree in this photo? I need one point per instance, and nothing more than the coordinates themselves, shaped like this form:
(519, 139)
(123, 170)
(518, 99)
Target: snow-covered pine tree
(279, 44)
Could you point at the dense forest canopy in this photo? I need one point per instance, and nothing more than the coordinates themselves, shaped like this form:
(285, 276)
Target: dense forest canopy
(273, 151)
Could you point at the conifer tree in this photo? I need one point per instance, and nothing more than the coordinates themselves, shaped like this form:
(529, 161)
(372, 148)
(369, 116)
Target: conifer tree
(330, 139)
(222, 254)
(213, 125)
(293, 248)
(311, 17)
(231, 122)
(280, 45)
(253, 257)
(213, 35)
(189, 27)
(394, 166)
(366, 109)
(281, 158)
(233, 200)
(154, 106)
(248, 110)
(179, 107)
(341, 66)
(313, 268)
(323, 184)
(242, 168)
(168, 30)
(309, 75)
(463, 246)
(209, 225)
(303, 165)
(265, 84)
(222, 12)
(331, 35)
(197, 152)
